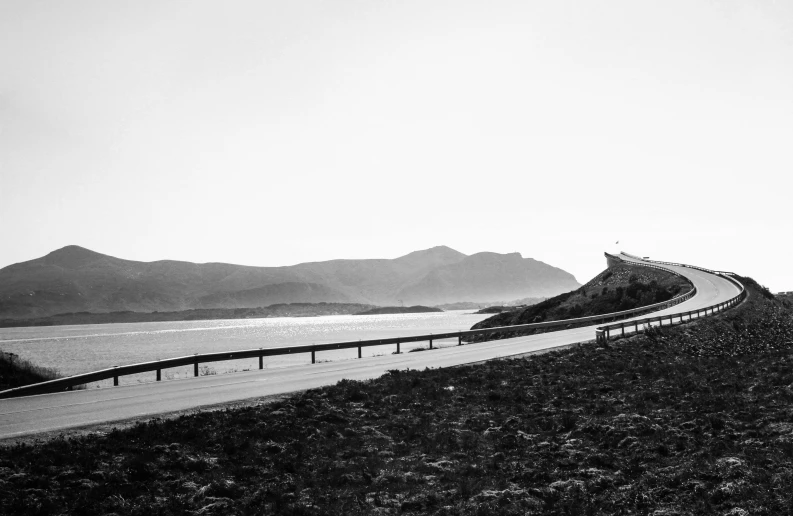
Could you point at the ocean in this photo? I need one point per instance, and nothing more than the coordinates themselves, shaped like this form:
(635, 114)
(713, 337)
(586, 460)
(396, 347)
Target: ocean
(84, 348)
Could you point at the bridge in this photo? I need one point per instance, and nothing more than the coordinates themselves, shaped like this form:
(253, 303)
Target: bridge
(30, 414)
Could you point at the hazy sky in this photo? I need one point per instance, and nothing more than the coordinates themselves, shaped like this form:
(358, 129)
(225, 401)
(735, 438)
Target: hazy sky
(272, 133)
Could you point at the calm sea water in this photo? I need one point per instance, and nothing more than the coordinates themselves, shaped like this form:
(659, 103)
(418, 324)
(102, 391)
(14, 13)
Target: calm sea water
(83, 348)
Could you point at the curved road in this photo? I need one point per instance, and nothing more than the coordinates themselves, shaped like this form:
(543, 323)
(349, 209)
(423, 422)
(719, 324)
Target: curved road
(49, 412)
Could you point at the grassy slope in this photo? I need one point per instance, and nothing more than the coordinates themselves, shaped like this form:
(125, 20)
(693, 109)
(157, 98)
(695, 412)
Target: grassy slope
(696, 419)
(617, 288)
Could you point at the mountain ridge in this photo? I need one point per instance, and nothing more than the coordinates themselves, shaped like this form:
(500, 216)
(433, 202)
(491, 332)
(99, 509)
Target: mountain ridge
(76, 279)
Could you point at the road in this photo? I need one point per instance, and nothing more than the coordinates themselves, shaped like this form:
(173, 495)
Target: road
(49, 412)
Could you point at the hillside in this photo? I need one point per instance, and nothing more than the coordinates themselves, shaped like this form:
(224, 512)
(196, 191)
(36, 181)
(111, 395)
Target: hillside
(291, 292)
(74, 279)
(620, 287)
(489, 277)
(691, 420)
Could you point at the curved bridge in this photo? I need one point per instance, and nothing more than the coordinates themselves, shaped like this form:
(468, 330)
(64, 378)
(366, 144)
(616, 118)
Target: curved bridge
(49, 412)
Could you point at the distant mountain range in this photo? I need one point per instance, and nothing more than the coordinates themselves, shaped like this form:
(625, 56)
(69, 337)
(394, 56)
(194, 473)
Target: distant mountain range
(75, 279)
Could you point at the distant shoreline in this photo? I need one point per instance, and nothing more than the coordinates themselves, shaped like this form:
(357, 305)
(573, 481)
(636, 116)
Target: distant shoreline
(383, 310)
(199, 314)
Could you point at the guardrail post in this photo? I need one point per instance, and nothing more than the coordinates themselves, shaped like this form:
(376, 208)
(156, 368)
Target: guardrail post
(115, 378)
(359, 351)
(397, 348)
(261, 359)
(313, 356)
(430, 343)
(459, 340)
(608, 333)
(623, 329)
(159, 376)
(195, 366)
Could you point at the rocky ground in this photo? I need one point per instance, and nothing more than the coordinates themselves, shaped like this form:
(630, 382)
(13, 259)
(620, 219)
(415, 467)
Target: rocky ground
(696, 419)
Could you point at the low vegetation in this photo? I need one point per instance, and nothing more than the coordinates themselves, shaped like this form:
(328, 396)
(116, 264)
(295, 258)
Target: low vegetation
(688, 420)
(16, 372)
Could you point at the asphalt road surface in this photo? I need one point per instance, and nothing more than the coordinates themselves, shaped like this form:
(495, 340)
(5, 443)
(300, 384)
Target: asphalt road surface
(50, 412)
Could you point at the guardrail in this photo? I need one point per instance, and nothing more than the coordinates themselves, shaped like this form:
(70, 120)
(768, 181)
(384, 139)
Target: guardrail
(650, 262)
(655, 264)
(68, 383)
(603, 333)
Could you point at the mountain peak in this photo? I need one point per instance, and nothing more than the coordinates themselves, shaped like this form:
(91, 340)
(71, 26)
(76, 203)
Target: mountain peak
(433, 257)
(71, 257)
(489, 256)
(439, 251)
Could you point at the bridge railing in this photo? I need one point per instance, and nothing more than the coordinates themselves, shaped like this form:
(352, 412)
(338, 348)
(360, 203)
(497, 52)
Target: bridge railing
(62, 384)
(648, 262)
(604, 333)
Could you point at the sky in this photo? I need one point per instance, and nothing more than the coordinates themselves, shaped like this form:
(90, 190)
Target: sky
(278, 132)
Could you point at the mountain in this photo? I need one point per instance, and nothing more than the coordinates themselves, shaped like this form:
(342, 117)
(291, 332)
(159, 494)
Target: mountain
(278, 293)
(75, 279)
(489, 277)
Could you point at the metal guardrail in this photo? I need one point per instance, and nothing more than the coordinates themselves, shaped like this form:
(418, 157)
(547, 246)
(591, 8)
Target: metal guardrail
(603, 333)
(650, 262)
(62, 384)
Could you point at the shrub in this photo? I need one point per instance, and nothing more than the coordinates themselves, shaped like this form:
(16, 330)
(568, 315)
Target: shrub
(16, 372)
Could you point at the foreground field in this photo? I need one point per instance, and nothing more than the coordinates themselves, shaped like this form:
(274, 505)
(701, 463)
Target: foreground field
(695, 420)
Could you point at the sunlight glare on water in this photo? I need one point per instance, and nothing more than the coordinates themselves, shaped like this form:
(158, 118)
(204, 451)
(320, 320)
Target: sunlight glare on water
(83, 348)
